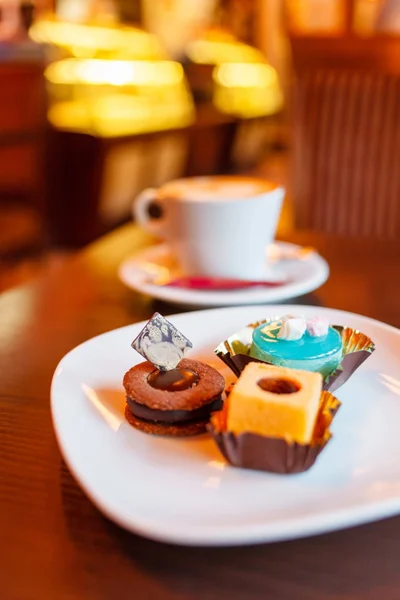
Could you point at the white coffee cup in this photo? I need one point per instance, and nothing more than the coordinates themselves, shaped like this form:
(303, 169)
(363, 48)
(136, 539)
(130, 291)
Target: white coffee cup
(217, 226)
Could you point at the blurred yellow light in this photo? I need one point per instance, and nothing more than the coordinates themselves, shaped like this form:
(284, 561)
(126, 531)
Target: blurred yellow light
(247, 89)
(79, 52)
(213, 52)
(115, 97)
(80, 38)
(245, 75)
(73, 71)
(121, 115)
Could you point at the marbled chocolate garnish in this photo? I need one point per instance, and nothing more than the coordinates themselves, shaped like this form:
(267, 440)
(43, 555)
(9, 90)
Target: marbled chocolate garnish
(161, 343)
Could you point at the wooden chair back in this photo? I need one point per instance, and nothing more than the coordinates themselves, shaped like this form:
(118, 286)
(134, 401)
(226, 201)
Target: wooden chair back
(346, 133)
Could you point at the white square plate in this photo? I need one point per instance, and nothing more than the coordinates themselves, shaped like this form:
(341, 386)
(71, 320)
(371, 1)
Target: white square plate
(182, 491)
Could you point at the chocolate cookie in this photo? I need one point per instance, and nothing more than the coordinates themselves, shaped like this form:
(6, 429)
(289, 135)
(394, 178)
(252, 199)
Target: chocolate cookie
(176, 402)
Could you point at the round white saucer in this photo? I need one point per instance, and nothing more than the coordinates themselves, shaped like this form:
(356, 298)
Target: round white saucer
(303, 274)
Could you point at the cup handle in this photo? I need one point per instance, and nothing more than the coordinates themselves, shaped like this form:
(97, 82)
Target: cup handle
(141, 214)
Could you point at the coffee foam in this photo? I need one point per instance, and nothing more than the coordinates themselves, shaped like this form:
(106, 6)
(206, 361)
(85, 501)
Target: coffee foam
(205, 189)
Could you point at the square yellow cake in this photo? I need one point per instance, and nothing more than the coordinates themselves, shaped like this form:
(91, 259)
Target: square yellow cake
(275, 402)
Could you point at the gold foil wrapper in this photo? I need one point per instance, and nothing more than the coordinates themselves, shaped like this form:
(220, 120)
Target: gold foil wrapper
(357, 347)
(275, 455)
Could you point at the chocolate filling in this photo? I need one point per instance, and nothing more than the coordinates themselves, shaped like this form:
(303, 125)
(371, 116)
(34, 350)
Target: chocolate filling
(173, 416)
(174, 380)
(278, 386)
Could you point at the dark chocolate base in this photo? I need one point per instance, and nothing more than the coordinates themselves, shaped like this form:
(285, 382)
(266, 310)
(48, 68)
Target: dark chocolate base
(169, 417)
(170, 430)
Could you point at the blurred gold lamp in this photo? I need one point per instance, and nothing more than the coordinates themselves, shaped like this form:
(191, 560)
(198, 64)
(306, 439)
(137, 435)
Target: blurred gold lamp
(115, 97)
(85, 40)
(247, 89)
(245, 85)
(118, 110)
(116, 81)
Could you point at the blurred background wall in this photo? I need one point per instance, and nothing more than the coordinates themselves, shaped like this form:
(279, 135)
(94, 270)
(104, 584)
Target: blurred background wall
(102, 98)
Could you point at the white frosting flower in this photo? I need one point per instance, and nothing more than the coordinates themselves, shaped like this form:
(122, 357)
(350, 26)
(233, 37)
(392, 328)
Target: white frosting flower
(293, 328)
(318, 326)
(298, 316)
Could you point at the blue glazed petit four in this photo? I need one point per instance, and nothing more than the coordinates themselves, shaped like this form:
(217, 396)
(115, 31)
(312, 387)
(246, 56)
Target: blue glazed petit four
(298, 344)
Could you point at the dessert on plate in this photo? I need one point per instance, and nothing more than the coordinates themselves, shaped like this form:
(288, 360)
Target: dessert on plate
(293, 342)
(275, 419)
(275, 402)
(335, 351)
(169, 394)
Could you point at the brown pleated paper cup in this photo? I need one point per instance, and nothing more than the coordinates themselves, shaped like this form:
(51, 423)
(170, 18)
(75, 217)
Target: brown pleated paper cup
(275, 455)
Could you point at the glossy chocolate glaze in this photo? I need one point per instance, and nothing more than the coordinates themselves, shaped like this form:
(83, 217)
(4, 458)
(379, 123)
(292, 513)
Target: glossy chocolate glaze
(174, 380)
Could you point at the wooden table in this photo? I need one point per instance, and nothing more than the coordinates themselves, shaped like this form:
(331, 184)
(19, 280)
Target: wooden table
(55, 545)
